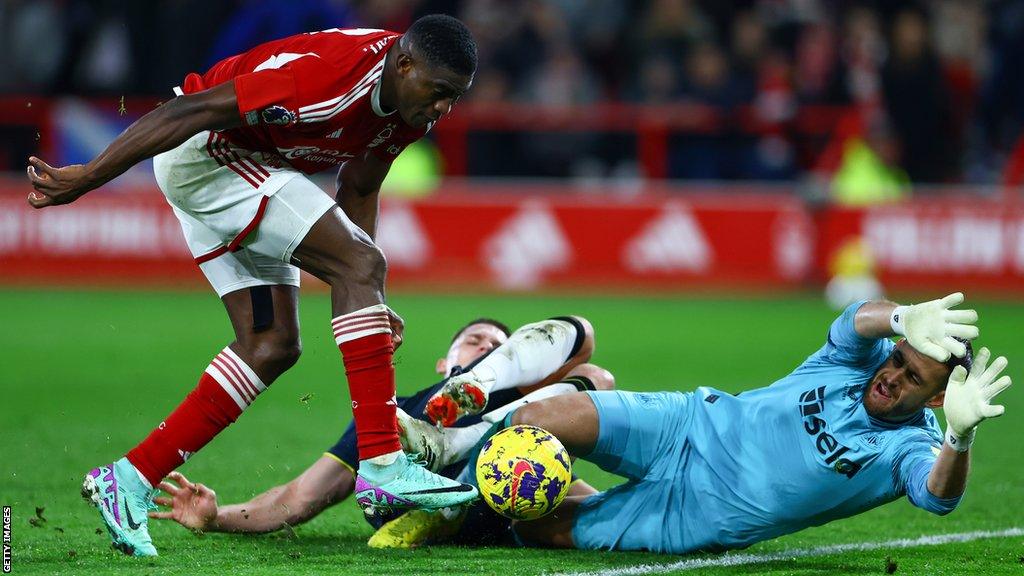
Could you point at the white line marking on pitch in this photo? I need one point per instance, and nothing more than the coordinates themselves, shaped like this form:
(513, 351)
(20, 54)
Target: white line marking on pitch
(742, 559)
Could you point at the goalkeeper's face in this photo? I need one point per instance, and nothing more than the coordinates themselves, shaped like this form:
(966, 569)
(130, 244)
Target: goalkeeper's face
(907, 382)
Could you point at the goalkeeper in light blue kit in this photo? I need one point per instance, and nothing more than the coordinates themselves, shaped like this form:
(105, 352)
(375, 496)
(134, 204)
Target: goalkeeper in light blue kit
(848, 430)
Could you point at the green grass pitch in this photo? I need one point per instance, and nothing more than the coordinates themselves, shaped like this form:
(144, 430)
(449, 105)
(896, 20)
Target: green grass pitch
(85, 375)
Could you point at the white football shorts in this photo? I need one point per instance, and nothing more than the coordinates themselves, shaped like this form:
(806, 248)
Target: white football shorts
(243, 213)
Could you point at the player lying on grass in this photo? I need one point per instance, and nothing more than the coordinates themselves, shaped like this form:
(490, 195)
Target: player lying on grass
(849, 429)
(231, 153)
(557, 367)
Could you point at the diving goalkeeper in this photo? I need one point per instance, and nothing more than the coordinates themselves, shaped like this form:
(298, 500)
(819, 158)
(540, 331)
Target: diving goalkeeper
(848, 430)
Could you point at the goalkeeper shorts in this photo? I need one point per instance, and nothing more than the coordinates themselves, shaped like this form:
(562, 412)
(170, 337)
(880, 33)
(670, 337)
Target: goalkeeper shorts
(642, 436)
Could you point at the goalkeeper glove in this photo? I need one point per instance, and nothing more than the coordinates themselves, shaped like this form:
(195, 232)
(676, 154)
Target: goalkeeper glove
(930, 327)
(968, 396)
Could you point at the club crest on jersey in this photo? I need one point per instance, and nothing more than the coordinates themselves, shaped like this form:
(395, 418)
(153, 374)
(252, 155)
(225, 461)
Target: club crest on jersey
(382, 136)
(278, 115)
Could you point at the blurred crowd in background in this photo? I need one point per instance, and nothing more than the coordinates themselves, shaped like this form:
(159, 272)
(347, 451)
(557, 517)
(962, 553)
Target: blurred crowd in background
(935, 89)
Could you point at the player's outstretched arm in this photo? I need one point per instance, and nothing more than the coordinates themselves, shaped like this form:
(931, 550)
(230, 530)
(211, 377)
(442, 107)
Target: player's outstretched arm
(967, 403)
(930, 327)
(158, 131)
(194, 505)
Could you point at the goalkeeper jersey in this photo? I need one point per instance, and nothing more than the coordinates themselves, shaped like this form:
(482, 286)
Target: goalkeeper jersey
(803, 451)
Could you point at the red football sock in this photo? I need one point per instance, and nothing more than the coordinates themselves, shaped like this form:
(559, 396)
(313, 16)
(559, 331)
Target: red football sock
(226, 389)
(364, 338)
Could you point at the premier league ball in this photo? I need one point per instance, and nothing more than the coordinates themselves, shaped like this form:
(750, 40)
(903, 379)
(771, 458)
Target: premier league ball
(523, 472)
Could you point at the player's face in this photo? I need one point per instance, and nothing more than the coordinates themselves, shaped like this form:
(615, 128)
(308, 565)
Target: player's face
(426, 93)
(906, 383)
(475, 341)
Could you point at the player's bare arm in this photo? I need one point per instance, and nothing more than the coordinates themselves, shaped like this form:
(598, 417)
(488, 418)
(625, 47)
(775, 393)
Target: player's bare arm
(325, 483)
(359, 182)
(162, 129)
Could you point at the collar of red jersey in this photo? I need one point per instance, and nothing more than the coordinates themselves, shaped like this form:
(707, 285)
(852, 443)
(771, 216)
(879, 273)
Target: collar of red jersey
(375, 101)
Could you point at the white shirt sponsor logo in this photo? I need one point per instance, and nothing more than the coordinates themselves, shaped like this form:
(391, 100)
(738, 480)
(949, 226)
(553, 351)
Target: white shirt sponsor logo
(314, 154)
(529, 244)
(672, 242)
(400, 235)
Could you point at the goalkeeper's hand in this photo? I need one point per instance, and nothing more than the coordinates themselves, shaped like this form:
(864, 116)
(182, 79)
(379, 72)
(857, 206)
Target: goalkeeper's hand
(930, 327)
(968, 398)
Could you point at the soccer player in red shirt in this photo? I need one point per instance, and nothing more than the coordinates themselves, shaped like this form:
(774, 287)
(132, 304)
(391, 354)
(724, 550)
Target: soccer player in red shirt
(230, 154)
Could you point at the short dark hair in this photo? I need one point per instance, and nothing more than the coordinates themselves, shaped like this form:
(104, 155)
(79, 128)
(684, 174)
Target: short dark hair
(445, 42)
(499, 325)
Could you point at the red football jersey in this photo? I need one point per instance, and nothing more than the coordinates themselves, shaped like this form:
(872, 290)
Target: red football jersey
(312, 98)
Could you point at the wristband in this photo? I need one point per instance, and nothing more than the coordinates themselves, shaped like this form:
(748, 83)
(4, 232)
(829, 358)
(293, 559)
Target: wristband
(959, 443)
(897, 318)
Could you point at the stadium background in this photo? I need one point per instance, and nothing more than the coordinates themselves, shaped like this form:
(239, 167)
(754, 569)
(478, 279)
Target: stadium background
(689, 174)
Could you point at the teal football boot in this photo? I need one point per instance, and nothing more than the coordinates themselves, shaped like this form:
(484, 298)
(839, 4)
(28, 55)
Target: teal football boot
(405, 484)
(118, 492)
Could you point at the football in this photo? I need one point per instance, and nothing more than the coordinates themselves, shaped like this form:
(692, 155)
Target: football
(523, 472)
